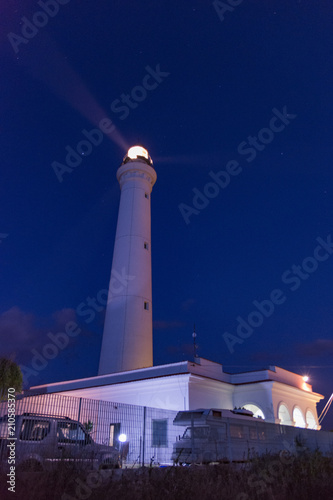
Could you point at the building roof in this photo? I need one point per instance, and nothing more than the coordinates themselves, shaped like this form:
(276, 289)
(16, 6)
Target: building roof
(201, 367)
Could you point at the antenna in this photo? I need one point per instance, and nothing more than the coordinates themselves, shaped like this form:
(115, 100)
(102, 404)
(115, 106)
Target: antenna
(195, 346)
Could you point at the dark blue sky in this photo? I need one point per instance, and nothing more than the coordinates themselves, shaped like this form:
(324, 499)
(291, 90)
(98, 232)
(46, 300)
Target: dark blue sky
(220, 81)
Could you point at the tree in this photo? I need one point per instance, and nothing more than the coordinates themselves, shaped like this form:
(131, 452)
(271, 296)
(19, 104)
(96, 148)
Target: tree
(10, 376)
(88, 426)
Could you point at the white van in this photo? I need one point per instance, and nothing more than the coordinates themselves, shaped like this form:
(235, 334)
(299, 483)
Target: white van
(215, 435)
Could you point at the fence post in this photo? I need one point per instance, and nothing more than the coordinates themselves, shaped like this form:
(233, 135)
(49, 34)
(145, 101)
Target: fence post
(78, 419)
(143, 436)
(192, 438)
(79, 415)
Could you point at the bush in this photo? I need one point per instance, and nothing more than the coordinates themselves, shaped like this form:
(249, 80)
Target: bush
(303, 476)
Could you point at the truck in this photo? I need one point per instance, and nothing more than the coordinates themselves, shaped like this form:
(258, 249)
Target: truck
(223, 435)
(35, 441)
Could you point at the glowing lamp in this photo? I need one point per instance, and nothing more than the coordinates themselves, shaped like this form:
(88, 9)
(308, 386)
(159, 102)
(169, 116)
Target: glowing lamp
(136, 151)
(305, 378)
(122, 438)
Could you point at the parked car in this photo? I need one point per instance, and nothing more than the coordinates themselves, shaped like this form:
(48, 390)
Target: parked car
(43, 440)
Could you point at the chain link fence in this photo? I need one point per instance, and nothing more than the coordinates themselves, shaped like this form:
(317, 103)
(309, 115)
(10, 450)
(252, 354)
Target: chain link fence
(140, 435)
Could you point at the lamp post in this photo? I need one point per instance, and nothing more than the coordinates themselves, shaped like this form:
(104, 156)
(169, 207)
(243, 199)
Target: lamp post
(122, 440)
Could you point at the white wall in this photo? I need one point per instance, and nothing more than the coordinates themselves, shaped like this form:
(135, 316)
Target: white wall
(165, 392)
(259, 394)
(292, 397)
(208, 393)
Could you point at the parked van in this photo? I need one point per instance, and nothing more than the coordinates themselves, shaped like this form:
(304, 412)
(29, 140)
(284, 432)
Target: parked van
(43, 440)
(215, 435)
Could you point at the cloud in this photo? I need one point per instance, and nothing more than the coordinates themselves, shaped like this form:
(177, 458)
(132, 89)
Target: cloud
(17, 329)
(63, 316)
(20, 331)
(168, 325)
(319, 347)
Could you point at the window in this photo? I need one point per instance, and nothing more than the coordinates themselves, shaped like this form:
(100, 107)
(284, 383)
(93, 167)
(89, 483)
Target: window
(34, 430)
(198, 433)
(147, 196)
(145, 245)
(284, 415)
(216, 414)
(237, 431)
(114, 434)
(160, 433)
(253, 433)
(257, 412)
(71, 432)
(298, 418)
(310, 420)
(261, 434)
(146, 306)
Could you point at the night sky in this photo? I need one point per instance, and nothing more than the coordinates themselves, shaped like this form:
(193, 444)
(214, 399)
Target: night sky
(236, 113)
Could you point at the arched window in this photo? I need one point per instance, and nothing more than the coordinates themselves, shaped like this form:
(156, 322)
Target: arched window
(310, 420)
(284, 415)
(257, 412)
(298, 417)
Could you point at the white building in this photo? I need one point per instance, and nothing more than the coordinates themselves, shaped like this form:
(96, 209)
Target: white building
(126, 371)
(275, 394)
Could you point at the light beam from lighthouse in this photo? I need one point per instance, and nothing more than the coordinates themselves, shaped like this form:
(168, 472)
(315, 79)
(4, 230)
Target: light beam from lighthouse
(128, 328)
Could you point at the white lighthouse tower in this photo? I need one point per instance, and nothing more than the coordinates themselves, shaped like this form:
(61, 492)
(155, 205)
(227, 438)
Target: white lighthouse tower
(128, 330)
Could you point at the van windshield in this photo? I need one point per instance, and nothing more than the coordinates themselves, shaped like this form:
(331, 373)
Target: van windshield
(198, 432)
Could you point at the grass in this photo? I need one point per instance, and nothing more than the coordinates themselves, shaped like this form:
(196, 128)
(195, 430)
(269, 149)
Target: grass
(305, 476)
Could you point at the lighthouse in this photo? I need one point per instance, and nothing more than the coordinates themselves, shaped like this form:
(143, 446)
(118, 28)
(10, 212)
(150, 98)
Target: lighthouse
(126, 372)
(128, 328)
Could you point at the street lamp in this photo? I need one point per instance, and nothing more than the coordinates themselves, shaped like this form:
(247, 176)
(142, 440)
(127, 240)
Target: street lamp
(122, 438)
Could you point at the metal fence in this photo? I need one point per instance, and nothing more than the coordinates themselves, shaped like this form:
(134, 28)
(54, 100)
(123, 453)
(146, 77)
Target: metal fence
(58, 427)
(143, 435)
